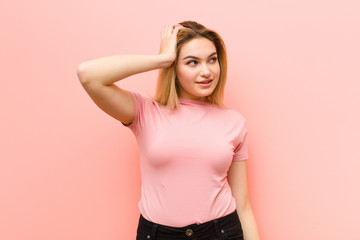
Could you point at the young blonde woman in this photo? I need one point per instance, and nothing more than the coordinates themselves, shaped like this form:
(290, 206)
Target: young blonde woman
(193, 149)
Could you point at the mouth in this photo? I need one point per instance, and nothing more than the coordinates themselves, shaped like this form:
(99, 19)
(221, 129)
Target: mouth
(205, 83)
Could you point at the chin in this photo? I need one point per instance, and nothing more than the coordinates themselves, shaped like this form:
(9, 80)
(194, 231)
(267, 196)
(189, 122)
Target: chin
(203, 95)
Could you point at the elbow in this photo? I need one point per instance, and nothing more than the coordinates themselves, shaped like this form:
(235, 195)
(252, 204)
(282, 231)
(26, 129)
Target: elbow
(243, 205)
(81, 73)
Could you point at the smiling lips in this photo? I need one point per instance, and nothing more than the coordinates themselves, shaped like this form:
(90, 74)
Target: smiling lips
(205, 83)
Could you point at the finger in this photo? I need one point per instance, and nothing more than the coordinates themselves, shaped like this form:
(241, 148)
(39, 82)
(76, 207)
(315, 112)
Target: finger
(177, 29)
(167, 30)
(175, 26)
(171, 26)
(178, 25)
(164, 30)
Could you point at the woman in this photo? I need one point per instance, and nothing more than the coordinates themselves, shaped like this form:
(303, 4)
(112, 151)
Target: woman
(193, 148)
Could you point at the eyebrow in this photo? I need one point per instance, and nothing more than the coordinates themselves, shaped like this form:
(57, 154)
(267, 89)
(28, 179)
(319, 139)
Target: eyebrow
(197, 57)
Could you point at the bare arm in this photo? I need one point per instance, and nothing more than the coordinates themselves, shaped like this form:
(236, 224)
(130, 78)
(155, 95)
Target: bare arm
(107, 70)
(99, 75)
(238, 184)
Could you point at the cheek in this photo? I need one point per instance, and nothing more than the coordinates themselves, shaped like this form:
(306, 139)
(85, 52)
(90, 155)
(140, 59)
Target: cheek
(217, 69)
(185, 75)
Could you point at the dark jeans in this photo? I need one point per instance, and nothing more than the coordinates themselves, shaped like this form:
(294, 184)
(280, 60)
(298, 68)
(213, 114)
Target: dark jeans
(225, 228)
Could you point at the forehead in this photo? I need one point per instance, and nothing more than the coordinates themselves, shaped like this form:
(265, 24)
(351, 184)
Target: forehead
(199, 47)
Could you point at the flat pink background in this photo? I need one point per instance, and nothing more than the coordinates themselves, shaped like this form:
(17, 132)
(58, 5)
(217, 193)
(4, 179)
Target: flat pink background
(69, 171)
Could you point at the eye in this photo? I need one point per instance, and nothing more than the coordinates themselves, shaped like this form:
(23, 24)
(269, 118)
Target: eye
(192, 62)
(213, 60)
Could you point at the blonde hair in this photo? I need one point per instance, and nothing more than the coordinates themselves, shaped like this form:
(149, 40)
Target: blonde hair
(167, 88)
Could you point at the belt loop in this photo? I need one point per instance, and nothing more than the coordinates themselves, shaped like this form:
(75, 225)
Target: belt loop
(154, 230)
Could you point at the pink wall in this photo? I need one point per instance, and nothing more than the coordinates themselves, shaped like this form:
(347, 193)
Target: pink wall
(69, 171)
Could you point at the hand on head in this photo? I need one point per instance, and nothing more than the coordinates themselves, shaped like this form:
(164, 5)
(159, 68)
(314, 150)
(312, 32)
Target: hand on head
(168, 41)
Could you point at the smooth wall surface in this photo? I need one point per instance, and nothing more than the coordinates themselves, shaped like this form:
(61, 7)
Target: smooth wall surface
(69, 171)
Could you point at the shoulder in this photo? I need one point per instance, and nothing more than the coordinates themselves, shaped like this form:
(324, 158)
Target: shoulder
(234, 114)
(143, 98)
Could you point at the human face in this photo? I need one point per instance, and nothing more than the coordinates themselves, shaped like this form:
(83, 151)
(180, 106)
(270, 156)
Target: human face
(197, 62)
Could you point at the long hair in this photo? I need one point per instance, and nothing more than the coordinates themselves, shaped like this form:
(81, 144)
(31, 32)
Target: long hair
(167, 88)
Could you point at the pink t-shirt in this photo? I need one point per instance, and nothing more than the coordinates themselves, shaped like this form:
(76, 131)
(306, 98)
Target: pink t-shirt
(184, 158)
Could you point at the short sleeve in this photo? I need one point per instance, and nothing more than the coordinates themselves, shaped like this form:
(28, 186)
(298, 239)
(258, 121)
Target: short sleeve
(241, 150)
(141, 105)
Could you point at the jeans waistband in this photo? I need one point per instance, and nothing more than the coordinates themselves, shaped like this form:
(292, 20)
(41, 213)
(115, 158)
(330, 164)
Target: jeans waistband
(189, 230)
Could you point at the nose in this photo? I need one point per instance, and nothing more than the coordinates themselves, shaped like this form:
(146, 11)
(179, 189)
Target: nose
(205, 71)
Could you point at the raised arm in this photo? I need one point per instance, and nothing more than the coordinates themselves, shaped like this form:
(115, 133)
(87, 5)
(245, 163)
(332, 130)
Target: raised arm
(99, 75)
